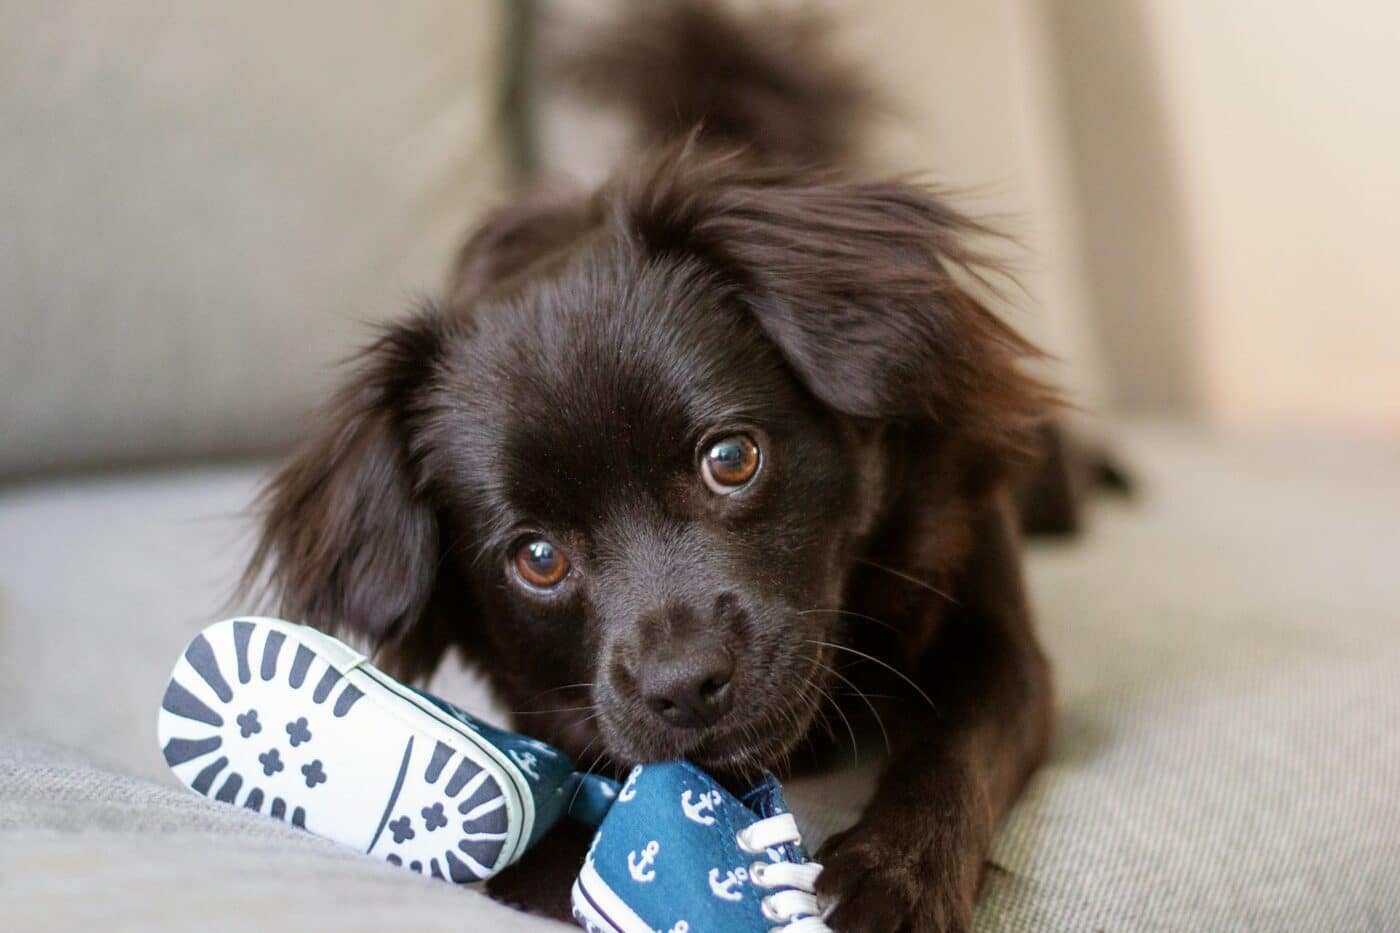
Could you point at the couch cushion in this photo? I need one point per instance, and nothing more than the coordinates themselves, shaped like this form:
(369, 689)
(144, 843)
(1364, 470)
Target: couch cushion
(86, 847)
(205, 204)
(1226, 652)
(1225, 647)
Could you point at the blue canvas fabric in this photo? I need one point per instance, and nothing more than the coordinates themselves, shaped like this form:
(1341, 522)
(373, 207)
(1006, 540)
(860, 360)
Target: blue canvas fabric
(669, 857)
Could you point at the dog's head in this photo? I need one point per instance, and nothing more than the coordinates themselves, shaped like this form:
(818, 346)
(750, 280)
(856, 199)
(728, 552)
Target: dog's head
(629, 469)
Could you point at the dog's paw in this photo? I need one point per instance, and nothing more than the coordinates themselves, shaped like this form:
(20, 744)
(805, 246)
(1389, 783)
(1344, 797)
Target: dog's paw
(878, 886)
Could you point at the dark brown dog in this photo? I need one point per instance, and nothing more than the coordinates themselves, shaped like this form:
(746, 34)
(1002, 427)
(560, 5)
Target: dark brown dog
(682, 464)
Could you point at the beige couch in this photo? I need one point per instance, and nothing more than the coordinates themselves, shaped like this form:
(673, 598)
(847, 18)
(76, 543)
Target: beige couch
(1226, 651)
(204, 205)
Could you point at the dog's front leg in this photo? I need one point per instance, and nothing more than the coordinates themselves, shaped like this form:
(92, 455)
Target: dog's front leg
(913, 861)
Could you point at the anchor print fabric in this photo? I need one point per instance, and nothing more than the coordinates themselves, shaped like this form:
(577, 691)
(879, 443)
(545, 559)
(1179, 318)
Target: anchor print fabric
(667, 857)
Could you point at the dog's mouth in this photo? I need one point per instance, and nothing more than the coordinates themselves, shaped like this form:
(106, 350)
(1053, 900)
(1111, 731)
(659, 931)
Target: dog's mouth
(758, 735)
(750, 749)
(738, 749)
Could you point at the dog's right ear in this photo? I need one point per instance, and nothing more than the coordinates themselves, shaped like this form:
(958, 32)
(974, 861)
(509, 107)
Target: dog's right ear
(349, 540)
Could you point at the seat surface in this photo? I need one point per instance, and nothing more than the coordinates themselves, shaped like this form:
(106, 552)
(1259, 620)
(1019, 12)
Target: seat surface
(1226, 651)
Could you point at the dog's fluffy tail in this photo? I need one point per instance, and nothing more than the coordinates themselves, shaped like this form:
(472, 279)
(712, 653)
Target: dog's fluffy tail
(766, 83)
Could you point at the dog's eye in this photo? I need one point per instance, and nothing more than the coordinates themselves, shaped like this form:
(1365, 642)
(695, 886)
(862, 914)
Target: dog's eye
(729, 463)
(541, 564)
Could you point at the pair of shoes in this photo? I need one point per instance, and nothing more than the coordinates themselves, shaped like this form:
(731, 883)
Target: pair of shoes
(679, 853)
(290, 722)
(284, 720)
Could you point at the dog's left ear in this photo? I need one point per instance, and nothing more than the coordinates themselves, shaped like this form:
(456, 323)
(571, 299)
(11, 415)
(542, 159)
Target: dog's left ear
(350, 539)
(859, 286)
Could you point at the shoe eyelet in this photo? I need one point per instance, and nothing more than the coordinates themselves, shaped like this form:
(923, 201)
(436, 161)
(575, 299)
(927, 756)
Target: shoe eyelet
(770, 912)
(744, 844)
(757, 871)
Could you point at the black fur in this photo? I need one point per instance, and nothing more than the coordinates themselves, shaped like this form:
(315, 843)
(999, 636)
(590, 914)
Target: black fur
(590, 349)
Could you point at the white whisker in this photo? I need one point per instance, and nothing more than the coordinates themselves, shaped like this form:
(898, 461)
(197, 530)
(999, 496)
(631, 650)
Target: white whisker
(889, 667)
(908, 578)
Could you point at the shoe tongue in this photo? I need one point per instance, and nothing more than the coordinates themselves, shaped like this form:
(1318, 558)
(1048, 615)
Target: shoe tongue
(766, 799)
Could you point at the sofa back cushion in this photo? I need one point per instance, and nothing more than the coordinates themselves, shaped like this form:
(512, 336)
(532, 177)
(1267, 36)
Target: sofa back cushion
(205, 206)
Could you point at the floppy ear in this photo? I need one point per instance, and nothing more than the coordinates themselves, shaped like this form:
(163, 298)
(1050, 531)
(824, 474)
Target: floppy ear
(858, 285)
(349, 540)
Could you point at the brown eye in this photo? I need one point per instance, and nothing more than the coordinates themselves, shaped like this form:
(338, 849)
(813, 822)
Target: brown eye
(541, 564)
(729, 463)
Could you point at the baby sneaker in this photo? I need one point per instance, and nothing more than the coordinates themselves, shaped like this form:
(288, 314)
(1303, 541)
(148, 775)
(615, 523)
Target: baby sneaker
(680, 854)
(287, 721)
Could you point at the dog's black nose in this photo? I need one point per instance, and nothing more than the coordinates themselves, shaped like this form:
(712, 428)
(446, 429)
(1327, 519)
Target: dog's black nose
(689, 691)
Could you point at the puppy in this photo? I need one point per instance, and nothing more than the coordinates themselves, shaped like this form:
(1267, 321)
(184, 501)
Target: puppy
(701, 462)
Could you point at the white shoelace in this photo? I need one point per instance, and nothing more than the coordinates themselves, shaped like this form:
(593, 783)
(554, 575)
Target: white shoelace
(798, 881)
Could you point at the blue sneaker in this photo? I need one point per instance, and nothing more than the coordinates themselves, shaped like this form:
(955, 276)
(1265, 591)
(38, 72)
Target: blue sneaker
(678, 853)
(287, 721)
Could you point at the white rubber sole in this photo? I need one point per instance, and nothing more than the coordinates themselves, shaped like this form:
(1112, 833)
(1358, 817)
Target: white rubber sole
(289, 722)
(598, 910)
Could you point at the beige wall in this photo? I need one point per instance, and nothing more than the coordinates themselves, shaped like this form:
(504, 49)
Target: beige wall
(1287, 120)
(1237, 167)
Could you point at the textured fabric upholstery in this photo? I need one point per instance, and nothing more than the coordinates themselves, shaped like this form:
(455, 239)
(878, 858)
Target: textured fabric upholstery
(205, 205)
(1225, 650)
(89, 848)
